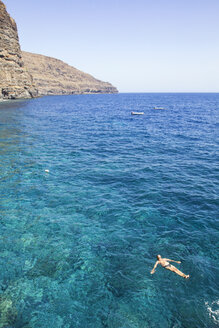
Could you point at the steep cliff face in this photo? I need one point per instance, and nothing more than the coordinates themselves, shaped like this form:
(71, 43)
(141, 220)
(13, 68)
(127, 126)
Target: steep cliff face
(15, 81)
(53, 77)
(26, 75)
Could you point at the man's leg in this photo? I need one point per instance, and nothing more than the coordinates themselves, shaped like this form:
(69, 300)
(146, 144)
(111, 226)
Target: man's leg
(174, 269)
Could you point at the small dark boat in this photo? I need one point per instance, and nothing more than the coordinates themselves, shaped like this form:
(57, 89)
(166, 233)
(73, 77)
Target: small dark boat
(159, 108)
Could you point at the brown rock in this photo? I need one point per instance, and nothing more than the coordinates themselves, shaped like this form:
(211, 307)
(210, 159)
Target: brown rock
(15, 81)
(26, 75)
(54, 77)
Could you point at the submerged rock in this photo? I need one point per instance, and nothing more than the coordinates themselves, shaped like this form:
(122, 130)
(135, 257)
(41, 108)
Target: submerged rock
(8, 313)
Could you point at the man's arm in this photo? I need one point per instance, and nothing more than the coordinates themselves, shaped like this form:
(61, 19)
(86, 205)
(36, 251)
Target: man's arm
(172, 261)
(153, 270)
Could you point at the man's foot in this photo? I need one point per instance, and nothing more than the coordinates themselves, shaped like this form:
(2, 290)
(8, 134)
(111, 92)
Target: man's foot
(186, 276)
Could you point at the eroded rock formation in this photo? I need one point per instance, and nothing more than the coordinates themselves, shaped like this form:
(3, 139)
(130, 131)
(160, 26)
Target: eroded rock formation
(53, 77)
(15, 81)
(26, 75)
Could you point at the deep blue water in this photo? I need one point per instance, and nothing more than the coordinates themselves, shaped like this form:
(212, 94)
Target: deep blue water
(77, 244)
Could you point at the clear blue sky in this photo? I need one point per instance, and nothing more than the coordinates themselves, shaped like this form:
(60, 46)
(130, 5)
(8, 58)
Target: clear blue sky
(138, 45)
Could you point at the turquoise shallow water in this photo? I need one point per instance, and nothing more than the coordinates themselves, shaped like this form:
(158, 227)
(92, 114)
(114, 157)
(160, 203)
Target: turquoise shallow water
(77, 244)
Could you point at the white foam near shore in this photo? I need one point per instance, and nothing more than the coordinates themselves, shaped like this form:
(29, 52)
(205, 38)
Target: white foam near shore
(213, 310)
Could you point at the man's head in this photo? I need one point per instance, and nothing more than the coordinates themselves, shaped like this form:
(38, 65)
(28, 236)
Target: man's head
(158, 257)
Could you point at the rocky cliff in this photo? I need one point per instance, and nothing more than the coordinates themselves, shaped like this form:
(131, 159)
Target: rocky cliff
(54, 77)
(26, 75)
(15, 81)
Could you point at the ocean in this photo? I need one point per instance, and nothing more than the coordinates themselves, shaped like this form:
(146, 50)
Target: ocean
(90, 194)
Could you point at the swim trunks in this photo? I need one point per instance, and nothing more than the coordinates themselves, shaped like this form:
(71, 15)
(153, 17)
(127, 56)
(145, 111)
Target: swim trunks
(167, 265)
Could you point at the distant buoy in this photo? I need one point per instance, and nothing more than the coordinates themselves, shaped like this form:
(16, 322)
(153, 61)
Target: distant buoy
(47, 171)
